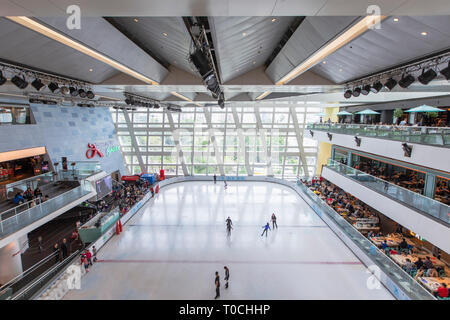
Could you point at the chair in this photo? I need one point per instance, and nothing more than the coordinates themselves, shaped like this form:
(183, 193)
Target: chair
(442, 273)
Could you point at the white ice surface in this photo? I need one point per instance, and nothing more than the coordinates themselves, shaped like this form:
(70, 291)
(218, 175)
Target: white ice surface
(171, 248)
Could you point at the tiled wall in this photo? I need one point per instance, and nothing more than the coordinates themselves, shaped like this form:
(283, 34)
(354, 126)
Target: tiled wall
(66, 132)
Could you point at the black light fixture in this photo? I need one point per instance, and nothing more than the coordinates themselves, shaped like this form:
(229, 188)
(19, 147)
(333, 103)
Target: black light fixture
(53, 86)
(445, 72)
(156, 106)
(358, 141)
(365, 90)
(73, 91)
(376, 87)
(37, 84)
(330, 136)
(390, 84)
(2, 79)
(405, 82)
(426, 77)
(348, 94)
(311, 133)
(90, 94)
(356, 92)
(407, 150)
(82, 93)
(20, 83)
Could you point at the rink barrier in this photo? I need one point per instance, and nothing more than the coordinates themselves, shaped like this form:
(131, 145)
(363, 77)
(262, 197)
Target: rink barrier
(371, 257)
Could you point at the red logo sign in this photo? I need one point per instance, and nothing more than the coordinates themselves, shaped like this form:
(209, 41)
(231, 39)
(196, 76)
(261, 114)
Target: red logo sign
(92, 151)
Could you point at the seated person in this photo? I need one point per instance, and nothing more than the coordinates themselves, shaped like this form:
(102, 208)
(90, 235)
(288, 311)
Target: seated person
(442, 291)
(419, 263)
(403, 244)
(409, 266)
(45, 198)
(432, 273)
(18, 198)
(28, 194)
(384, 245)
(37, 192)
(420, 273)
(428, 264)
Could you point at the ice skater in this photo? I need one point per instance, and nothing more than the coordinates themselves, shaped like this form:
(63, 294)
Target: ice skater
(266, 227)
(229, 226)
(274, 221)
(225, 181)
(227, 276)
(215, 178)
(217, 284)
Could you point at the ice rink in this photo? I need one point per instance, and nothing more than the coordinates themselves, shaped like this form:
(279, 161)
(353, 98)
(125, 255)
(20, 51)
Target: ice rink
(171, 248)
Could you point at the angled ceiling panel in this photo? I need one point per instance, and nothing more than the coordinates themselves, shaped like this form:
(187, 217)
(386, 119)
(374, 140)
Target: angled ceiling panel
(312, 34)
(245, 43)
(379, 49)
(23, 46)
(165, 37)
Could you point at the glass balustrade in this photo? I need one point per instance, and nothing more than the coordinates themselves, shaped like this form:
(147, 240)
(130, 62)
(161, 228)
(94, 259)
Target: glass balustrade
(77, 170)
(424, 204)
(33, 182)
(408, 285)
(21, 216)
(422, 135)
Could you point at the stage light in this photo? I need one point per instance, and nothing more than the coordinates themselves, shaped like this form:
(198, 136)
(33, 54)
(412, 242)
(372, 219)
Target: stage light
(82, 93)
(376, 87)
(365, 90)
(390, 84)
(73, 91)
(356, 92)
(348, 94)
(53, 86)
(19, 82)
(90, 94)
(64, 90)
(445, 72)
(2, 79)
(37, 84)
(426, 77)
(407, 150)
(405, 82)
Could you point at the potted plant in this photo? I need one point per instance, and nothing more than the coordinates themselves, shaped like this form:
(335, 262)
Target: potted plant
(398, 114)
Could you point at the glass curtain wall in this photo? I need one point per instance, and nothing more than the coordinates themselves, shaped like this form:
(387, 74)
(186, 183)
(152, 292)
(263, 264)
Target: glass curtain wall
(239, 140)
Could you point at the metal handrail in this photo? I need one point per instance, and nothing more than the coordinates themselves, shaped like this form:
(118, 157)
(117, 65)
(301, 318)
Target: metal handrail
(35, 282)
(378, 125)
(15, 183)
(433, 202)
(30, 269)
(39, 205)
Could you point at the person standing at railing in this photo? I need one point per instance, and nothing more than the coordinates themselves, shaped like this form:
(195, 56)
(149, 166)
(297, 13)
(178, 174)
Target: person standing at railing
(56, 252)
(64, 248)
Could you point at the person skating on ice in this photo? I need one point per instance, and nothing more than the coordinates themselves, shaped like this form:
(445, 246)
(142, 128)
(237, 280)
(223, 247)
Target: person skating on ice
(274, 221)
(266, 227)
(229, 226)
(225, 182)
(215, 178)
(227, 276)
(217, 284)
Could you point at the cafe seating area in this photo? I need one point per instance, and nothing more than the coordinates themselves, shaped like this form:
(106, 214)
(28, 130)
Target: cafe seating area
(400, 245)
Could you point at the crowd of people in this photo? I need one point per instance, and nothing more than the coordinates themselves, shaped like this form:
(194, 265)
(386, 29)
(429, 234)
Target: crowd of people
(28, 195)
(338, 199)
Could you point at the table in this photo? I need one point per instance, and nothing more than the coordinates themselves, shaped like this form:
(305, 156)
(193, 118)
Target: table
(433, 284)
(401, 259)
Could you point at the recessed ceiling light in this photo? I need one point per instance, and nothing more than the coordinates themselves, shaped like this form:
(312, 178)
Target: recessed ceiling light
(244, 34)
(424, 33)
(254, 62)
(90, 70)
(164, 34)
(136, 20)
(273, 20)
(340, 70)
(324, 62)
(396, 19)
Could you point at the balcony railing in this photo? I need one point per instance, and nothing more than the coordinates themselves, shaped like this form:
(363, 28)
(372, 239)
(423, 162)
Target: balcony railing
(423, 135)
(18, 217)
(419, 202)
(403, 280)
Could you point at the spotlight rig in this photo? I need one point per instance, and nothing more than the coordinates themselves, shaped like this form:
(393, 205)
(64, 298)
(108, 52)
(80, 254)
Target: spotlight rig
(424, 71)
(201, 57)
(145, 102)
(65, 87)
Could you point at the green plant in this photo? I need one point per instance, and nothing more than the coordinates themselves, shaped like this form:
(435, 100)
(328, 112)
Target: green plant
(398, 113)
(433, 114)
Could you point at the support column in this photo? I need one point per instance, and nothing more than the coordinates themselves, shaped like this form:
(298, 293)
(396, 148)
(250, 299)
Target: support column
(430, 185)
(10, 261)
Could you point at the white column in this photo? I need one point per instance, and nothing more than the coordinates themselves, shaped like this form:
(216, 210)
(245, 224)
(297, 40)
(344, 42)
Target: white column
(10, 261)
